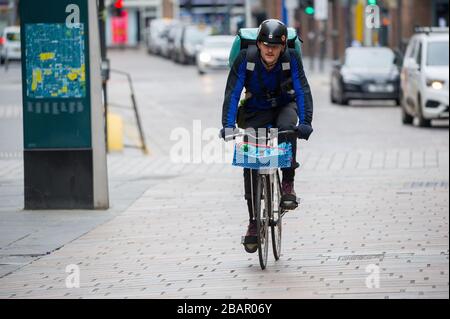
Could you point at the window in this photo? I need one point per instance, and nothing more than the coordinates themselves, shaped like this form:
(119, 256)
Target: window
(411, 49)
(13, 37)
(419, 55)
(437, 53)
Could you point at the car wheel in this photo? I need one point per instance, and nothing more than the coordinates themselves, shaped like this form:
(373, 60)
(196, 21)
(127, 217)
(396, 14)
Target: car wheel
(406, 118)
(2, 60)
(342, 99)
(332, 96)
(201, 72)
(420, 120)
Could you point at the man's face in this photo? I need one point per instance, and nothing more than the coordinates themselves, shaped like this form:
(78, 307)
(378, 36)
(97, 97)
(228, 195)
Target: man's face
(270, 53)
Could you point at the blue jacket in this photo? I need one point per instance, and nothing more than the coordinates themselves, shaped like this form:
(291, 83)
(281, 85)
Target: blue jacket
(237, 81)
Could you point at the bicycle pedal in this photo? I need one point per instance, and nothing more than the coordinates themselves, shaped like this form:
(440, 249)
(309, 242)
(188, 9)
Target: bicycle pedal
(290, 205)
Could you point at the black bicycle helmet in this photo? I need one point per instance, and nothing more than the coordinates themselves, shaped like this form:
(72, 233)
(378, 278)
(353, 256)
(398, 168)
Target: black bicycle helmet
(272, 31)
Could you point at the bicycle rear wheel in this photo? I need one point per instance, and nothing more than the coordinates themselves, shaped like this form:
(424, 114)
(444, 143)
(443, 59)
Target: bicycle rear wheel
(276, 220)
(262, 208)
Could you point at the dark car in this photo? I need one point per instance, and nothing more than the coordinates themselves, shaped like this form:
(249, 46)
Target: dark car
(368, 73)
(189, 43)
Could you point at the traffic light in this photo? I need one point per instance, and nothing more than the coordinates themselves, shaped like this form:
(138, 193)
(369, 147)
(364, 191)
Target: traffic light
(308, 7)
(372, 2)
(117, 8)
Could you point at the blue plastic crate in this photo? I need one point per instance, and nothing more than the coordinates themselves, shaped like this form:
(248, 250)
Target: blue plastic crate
(254, 156)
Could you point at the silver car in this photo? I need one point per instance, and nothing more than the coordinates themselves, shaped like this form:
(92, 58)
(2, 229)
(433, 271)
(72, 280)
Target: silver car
(214, 53)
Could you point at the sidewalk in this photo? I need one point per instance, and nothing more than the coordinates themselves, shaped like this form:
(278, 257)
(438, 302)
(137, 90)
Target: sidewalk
(374, 193)
(28, 235)
(182, 240)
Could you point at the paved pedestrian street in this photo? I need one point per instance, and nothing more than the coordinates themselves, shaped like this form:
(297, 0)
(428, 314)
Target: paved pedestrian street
(373, 221)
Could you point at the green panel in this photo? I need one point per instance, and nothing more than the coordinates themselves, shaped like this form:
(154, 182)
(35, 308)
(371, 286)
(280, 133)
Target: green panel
(235, 49)
(55, 74)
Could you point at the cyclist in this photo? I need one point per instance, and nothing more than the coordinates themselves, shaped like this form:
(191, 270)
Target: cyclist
(271, 100)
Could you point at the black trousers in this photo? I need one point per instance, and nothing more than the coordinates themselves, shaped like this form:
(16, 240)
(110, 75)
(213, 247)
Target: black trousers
(284, 118)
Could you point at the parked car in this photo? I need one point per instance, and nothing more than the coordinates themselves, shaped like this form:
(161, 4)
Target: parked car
(425, 79)
(189, 41)
(367, 73)
(157, 35)
(174, 35)
(214, 53)
(11, 45)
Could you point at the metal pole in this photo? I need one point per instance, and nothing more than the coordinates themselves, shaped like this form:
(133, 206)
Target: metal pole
(400, 24)
(348, 16)
(248, 14)
(102, 29)
(323, 44)
(335, 32)
(228, 19)
(312, 42)
(135, 108)
(12, 12)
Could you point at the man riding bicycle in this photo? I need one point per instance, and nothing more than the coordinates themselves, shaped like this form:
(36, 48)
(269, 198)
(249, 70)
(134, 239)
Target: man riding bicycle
(277, 96)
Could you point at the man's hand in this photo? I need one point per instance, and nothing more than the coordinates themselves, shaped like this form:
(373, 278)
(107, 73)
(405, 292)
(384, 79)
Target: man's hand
(304, 131)
(227, 133)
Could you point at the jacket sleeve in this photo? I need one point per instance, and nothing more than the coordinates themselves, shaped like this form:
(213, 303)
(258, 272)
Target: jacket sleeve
(302, 90)
(235, 85)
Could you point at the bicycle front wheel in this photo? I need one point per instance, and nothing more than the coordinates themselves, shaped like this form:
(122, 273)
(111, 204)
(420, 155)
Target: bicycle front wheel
(262, 207)
(276, 217)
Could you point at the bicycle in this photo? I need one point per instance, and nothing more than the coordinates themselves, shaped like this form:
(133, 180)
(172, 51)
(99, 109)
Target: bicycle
(267, 189)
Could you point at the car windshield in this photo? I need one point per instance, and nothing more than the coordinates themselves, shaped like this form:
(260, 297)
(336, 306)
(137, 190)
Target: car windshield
(13, 37)
(371, 59)
(197, 35)
(217, 44)
(437, 54)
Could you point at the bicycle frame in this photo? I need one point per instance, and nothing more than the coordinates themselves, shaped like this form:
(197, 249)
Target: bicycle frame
(270, 182)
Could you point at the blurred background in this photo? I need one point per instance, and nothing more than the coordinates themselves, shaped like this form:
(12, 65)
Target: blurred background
(338, 27)
(374, 177)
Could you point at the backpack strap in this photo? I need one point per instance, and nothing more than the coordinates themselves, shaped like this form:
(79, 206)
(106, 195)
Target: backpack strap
(286, 82)
(252, 57)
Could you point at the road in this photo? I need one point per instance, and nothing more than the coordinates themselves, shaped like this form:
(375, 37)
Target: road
(374, 193)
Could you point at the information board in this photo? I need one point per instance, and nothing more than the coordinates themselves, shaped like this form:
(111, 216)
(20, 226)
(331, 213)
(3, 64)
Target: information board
(55, 74)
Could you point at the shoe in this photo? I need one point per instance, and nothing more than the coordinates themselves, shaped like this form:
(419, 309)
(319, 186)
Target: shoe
(250, 239)
(288, 197)
(252, 230)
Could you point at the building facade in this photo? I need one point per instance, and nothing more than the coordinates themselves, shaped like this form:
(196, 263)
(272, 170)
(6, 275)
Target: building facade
(346, 25)
(135, 19)
(8, 13)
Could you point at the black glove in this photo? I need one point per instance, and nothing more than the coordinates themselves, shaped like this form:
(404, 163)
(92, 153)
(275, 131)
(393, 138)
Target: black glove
(227, 133)
(304, 131)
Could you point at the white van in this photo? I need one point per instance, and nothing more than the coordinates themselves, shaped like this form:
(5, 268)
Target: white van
(157, 36)
(11, 47)
(425, 79)
(11, 44)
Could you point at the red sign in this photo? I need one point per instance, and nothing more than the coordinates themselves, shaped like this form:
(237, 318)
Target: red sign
(120, 29)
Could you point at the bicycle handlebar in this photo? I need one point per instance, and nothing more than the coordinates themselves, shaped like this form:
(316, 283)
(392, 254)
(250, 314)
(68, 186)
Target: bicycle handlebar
(273, 133)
